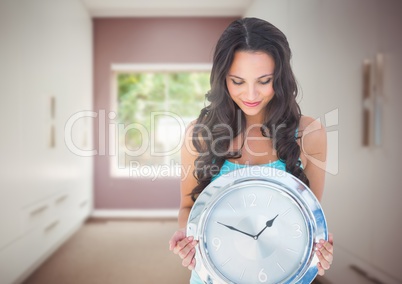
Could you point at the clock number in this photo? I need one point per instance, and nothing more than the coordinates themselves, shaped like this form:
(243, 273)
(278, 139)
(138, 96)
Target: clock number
(299, 232)
(216, 242)
(251, 198)
(262, 276)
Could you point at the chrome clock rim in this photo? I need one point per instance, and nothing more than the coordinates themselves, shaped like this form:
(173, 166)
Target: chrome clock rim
(273, 177)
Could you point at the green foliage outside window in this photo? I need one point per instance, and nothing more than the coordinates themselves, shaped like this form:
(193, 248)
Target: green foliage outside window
(179, 94)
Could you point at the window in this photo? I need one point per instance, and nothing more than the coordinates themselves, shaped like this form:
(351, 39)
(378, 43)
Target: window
(153, 105)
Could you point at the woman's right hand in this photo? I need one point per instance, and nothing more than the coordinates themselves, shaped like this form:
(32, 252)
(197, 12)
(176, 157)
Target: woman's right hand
(184, 247)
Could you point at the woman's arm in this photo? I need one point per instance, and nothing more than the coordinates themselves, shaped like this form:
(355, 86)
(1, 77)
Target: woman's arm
(314, 156)
(179, 243)
(188, 181)
(313, 146)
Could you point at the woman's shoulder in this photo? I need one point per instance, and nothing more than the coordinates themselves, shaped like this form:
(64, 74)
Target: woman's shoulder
(191, 127)
(194, 134)
(188, 135)
(312, 134)
(309, 124)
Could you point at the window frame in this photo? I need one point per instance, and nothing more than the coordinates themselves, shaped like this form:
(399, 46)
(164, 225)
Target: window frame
(119, 68)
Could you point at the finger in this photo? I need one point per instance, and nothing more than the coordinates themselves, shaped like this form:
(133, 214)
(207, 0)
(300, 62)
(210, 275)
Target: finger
(327, 245)
(172, 243)
(324, 263)
(321, 270)
(191, 266)
(182, 244)
(331, 238)
(189, 258)
(177, 236)
(186, 250)
(326, 250)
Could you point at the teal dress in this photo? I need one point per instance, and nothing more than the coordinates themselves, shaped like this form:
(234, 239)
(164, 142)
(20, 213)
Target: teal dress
(228, 167)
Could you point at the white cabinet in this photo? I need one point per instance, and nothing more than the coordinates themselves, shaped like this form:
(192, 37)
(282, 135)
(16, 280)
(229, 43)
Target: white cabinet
(44, 227)
(46, 76)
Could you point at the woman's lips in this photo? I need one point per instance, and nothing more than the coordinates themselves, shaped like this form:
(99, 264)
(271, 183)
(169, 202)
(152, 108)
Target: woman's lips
(253, 104)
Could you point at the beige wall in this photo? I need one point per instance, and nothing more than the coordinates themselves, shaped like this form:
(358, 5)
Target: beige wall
(330, 40)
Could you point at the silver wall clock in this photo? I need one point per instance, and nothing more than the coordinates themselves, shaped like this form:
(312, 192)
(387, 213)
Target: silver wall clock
(257, 225)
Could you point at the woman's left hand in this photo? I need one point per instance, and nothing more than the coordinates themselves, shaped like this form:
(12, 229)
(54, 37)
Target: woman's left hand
(325, 253)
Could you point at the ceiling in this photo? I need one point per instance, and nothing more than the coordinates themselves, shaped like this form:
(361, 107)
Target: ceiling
(166, 8)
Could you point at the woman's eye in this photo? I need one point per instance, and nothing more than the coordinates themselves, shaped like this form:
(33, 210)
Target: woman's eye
(237, 82)
(267, 81)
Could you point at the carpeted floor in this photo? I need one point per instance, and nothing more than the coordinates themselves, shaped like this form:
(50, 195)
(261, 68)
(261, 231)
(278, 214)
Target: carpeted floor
(115, 252)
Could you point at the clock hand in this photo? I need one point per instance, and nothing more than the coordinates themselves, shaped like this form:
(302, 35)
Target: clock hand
(234, 229)
(268, 224)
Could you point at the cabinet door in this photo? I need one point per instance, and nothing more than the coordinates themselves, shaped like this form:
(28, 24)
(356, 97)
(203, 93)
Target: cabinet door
(346, 38)
(385, 216)
(330, 41)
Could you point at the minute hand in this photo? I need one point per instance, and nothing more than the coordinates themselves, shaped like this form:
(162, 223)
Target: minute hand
(234, 229)
(268, 224)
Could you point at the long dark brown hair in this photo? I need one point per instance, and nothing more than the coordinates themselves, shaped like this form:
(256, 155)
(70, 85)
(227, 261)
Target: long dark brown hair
(222, 119)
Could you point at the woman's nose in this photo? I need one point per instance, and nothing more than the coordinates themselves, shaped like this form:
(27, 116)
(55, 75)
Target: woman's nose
(252, 93)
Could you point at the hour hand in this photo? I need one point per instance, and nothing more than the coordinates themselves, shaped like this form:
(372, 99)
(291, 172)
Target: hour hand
(268, 224)
(234, 229)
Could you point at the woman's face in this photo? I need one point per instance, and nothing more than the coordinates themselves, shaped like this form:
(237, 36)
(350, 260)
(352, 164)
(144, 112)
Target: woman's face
(250, 82)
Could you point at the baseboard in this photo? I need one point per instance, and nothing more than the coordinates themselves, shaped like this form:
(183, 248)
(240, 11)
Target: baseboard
(134, 214)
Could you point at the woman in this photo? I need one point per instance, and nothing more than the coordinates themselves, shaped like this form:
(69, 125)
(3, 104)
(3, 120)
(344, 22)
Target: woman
(253, 119)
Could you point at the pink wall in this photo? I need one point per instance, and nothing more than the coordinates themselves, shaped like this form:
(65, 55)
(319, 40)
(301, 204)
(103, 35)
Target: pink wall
(143, 40)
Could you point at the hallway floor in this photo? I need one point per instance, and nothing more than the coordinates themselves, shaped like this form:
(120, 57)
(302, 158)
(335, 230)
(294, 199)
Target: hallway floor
(115, 252)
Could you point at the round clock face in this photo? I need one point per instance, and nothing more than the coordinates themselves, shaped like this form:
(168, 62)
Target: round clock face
(256, 234)
(255, 226)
